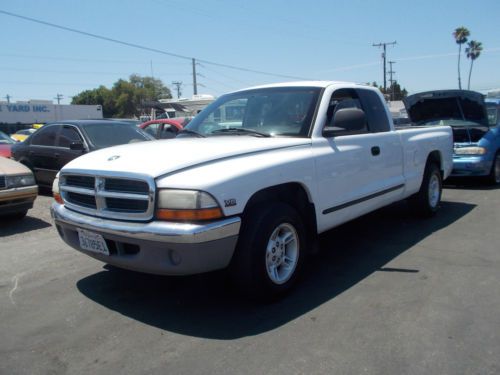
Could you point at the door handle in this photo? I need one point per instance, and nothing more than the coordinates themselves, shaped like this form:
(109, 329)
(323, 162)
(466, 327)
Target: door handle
(56, 155)
(375, 150)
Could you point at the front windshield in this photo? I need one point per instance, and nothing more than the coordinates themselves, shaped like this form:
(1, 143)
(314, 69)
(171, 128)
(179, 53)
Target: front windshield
(492, 115)
(262, 112)
(114, 133)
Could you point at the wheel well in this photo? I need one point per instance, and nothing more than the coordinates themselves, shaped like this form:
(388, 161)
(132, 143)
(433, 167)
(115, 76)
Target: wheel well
(435, 157)
(293, 194)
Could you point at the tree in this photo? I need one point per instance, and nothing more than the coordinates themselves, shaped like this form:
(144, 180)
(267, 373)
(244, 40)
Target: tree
(125, 98)
(473, 51)
(394, 91)
(460, 34)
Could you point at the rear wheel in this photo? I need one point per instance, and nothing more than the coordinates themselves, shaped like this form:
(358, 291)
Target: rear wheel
(494, 176)
(270, 252)
(426, 202)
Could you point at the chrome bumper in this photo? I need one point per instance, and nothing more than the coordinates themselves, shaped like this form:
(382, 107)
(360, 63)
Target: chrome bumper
(159, 247)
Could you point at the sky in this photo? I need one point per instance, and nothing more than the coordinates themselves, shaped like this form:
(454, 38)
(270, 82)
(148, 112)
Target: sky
(235, 42)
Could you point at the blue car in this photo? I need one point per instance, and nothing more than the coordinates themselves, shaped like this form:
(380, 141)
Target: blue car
(475, 123)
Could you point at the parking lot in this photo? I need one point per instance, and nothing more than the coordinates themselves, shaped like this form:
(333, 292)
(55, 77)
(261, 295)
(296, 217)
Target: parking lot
(388, 294)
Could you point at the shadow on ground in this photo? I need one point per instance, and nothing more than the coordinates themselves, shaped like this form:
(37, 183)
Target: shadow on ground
(9, 227)
(205, 306)
(471, 183)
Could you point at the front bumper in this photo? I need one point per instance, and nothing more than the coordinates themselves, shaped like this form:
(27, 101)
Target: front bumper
(156, 247)
(471, 166)
(17, 199)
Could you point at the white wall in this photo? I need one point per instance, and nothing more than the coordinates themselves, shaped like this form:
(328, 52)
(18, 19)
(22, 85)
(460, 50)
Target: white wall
(32, 112)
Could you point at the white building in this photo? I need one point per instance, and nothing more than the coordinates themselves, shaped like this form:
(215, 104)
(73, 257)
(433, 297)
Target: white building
(43, 111)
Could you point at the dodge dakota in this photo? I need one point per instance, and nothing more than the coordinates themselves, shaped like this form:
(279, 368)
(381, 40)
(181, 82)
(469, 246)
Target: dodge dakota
(250, 183)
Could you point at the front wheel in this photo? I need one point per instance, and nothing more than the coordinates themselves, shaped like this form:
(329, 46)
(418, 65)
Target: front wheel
(270, 252)
(426, 202)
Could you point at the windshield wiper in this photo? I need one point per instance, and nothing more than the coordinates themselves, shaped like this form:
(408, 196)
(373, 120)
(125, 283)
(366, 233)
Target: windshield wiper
(241, 131)
(193, 132)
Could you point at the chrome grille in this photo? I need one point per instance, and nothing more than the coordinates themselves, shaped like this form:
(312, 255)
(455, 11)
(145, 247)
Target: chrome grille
(109, 196)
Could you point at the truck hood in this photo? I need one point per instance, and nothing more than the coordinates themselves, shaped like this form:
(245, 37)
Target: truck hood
(162, 157)
(451, 107)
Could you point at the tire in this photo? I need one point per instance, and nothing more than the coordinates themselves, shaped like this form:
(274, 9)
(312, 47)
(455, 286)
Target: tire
(494, 176)
(270, 253)
(18, 215)
(426, 202)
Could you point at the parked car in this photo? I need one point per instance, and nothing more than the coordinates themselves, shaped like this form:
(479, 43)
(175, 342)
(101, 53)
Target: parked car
(18, 189)
(250, 189)
(476, 134)
(162, 129)
(22, 134)
(6, 143)
(54, 145)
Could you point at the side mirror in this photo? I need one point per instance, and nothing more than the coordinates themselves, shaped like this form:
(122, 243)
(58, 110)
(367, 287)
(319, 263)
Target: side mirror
(77, 146)
(346, 121)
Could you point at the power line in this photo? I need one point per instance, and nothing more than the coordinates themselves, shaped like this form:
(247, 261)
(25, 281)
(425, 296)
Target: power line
(138, 46)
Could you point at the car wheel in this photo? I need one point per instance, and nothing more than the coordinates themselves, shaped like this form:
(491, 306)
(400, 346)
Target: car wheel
(426, 202)
(18, 215)
(270, 251)
(494, 176)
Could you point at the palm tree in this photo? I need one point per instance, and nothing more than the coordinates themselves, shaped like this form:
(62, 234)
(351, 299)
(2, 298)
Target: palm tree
(460, 34)
(473, 51)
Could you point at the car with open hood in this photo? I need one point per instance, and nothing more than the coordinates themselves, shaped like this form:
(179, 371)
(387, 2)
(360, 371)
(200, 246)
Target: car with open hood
(476, 139)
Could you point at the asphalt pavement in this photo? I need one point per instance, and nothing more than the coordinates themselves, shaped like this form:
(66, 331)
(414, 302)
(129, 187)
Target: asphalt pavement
(388, 294)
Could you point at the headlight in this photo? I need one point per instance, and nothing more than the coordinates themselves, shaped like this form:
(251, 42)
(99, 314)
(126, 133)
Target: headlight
(185, 205)
(470, 151)
(19, 181)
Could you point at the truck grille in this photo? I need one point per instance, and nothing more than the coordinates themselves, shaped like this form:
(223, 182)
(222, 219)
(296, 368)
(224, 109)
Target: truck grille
(130, 198)
(2, 182)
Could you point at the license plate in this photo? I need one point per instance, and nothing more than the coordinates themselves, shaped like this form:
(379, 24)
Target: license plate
(92, 242)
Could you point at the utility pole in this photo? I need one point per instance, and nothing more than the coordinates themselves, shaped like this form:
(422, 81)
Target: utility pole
(8, 98)
(177, 85)
(384, 55)
(391, 72)
(195, 87)
(58, 98)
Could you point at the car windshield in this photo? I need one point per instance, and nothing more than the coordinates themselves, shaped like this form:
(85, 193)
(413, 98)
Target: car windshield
(5, 139)
(492, 115)
(260, 112)
(110, 133)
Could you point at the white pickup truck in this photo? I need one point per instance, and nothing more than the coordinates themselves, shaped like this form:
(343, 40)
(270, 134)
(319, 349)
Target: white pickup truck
(250, 183)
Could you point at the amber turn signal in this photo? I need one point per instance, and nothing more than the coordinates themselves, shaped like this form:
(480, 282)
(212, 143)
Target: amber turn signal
(189, 215)
(57, 198)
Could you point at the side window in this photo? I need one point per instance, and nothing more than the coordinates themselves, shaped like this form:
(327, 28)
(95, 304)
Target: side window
(46, 136)
(152, 129)
(67, 135)
(343, 99)
(375, 111)
(168, 131)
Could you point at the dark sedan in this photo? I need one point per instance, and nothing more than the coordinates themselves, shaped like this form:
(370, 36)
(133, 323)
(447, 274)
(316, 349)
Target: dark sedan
(47, 150)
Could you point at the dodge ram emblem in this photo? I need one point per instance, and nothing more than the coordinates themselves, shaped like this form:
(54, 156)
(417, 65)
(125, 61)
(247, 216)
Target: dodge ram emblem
(114, 157)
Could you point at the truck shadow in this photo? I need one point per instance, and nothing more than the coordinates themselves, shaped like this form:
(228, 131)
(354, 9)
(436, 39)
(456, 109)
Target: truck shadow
(205, 306)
